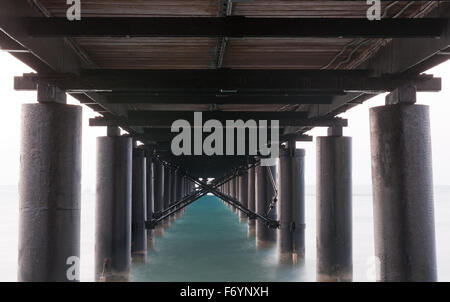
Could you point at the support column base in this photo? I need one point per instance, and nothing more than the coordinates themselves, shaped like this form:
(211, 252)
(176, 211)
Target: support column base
(402, 182)
(113, 208)
(251, 231)
(140, 257)
(334, 278)
(291, 258)
(166, 224)
(334, 252)
(262, 244)
(159, 231)
(115, 277)
(49, 192)
(150, 239)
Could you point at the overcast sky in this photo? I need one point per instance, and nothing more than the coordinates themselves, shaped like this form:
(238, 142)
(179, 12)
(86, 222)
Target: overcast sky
(358, 128)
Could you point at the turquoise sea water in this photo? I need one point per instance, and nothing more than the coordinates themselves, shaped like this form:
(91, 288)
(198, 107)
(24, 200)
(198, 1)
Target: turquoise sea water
(209, 244)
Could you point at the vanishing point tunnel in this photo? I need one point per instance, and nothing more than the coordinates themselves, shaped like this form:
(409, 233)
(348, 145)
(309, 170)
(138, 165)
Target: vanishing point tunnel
(142, 65)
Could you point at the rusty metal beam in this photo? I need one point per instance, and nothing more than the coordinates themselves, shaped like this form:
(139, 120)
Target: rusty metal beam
(232, 81)
(167, 122)
(233, 26)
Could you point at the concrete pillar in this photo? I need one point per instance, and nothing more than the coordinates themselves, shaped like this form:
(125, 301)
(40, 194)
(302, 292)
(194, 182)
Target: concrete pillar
(49, 203)
(225, 185)
(403, 190)
(222, 190)
(230, 192)
(251, 202)
(183, 187)
(185, 190)
(334, 207)
(232, 188)
(236, 192)
(113, 208)
(139, 206)
(159, 194)
(291, 206)
(167, 193)
(225, 190)
(265, 236)
(188, 187)
(150, 199)
(179, 183)
(243, 195)
(174, 190)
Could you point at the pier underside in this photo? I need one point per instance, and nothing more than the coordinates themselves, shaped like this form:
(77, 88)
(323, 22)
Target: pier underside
(142, 65)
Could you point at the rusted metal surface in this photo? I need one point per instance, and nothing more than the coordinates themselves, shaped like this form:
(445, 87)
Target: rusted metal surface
(321, 9)
(150, 53)
(201, 53)
(304, 53)
(259, 8)
(137, 8)
(194, 107)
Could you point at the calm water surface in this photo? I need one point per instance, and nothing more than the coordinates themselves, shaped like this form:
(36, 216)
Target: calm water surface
(209, 244)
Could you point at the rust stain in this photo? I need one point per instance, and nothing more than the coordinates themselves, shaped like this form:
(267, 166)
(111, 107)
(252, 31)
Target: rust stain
(265, 53)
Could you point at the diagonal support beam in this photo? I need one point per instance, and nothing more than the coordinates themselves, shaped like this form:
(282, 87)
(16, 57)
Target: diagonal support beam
(205, 189)
(179, 205)
(235, 203)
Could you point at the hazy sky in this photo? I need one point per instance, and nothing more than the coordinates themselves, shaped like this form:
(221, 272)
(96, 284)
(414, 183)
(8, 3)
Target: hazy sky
(358, 128)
